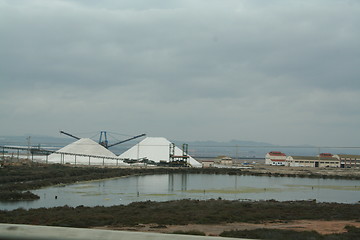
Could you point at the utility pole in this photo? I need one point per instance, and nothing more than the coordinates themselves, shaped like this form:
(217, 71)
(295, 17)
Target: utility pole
(237, 152)
(28, 142)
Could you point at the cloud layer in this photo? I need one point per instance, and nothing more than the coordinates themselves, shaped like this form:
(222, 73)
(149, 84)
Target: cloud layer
(285, 72)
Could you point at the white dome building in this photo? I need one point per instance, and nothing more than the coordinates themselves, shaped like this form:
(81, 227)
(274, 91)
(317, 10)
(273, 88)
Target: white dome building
(155, 149)
(84, 152)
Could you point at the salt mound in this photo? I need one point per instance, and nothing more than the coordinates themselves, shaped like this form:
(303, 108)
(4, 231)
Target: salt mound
(84, 146)
(156, 149)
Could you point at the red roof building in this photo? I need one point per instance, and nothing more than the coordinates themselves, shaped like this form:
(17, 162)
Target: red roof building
(275, 158)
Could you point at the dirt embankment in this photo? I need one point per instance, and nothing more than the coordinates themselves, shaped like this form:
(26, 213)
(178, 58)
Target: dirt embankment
(306, 171)
(322, 227)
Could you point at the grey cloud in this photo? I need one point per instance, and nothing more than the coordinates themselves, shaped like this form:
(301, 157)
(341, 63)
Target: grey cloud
(240, 68)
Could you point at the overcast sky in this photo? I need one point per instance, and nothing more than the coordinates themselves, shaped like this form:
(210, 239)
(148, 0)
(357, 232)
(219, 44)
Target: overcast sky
(276, 71)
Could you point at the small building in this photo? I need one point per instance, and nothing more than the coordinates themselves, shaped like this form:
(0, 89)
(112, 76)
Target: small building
(275, 158)
(325, 155)
(226, 161)
(207, 164)
(321, 161)
(348, 161)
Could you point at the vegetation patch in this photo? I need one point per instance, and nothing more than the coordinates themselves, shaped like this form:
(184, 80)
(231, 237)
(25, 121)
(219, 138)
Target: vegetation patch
(272, 234)
(190, 232)
(346, 188)
(235, 191)
(83, 187)
(17, 196)
(278, 234)
(159, 194)
(89, 194)
(181, 212)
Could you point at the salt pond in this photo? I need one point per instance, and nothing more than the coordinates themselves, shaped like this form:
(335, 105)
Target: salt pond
(192, 186)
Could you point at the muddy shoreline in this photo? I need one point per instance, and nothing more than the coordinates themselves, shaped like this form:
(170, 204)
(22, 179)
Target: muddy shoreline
(344, 173)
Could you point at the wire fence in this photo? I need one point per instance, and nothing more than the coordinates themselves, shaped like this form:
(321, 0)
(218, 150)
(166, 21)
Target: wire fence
(21, 154)
(38, 154)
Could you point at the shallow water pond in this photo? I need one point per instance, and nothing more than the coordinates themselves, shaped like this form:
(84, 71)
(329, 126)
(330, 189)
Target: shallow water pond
(192, 186)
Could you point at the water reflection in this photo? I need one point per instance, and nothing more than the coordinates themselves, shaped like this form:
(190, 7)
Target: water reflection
(178, 178)
(194, 186)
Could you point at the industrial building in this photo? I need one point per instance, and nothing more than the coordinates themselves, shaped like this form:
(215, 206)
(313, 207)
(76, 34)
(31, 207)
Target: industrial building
(348, 161)
(208, 163)
(322, 161)
(275, 158)
(226, 161)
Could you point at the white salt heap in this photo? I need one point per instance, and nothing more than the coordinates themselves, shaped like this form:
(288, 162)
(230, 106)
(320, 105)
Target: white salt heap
(156, 149)
(84, 146)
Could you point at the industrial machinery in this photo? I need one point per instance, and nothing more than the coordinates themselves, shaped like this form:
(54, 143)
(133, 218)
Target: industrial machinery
(103, 138)
(179, 160)
(70, 135)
